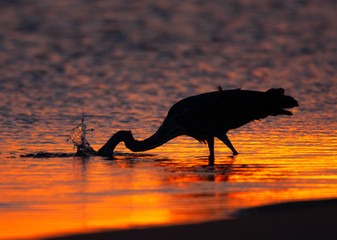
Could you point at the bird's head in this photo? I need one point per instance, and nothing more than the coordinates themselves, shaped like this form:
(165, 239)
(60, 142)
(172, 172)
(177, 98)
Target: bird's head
(278, 102)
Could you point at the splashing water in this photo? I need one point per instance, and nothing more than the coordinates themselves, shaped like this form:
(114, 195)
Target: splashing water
(78, 137)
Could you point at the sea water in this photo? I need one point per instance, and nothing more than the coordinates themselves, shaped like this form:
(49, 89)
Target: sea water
(78, 136)
(123, 65)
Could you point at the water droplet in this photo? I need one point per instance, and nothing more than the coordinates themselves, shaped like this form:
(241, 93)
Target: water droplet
(78, 137)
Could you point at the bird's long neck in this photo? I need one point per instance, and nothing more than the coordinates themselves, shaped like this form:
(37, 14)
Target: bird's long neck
(160, 137)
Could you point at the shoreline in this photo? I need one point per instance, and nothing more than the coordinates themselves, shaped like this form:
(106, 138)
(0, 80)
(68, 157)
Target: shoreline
(315, 219)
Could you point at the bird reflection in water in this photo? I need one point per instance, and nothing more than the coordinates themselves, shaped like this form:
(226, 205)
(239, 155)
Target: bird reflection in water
(210, 173)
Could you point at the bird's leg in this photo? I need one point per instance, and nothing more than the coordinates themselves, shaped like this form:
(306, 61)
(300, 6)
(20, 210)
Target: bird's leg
(226, 141)
(210, 142)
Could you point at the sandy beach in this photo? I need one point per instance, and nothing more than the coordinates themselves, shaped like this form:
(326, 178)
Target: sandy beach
(293, 220)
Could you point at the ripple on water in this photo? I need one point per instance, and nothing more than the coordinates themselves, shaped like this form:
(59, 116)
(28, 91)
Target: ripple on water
(122, 69)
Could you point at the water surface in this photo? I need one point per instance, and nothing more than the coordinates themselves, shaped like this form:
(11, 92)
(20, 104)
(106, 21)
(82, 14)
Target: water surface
(121, 65)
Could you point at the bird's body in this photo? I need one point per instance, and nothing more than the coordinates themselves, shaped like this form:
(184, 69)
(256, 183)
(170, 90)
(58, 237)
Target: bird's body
(208, 115)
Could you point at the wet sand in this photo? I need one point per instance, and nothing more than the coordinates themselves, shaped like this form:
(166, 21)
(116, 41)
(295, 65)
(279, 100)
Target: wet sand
(293, 220)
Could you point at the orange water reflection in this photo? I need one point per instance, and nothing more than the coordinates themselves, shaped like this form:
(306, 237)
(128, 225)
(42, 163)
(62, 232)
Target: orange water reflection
(123, 68)
(172, 185)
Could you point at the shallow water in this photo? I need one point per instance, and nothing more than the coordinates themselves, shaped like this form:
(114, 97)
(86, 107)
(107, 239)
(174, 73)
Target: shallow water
(122, 65)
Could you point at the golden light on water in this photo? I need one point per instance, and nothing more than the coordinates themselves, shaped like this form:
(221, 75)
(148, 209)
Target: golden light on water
(122, 64)
(169, 185)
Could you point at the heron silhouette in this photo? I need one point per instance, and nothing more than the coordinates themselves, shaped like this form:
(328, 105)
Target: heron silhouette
(207, 116)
